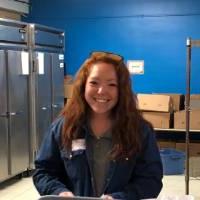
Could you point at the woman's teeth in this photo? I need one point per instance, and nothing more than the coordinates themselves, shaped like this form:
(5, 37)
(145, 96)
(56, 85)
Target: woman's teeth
(101, 100)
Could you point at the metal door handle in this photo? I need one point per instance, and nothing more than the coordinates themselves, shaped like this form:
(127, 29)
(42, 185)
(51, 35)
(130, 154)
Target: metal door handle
(55, 105)
(44, 108)
(15, 113)
(12, 113)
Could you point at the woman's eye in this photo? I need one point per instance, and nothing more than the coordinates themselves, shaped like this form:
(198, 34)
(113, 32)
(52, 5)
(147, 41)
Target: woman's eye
(113, 84)
(93, 83)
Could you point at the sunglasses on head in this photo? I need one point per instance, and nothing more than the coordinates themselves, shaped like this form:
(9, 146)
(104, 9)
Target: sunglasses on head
(113, 56)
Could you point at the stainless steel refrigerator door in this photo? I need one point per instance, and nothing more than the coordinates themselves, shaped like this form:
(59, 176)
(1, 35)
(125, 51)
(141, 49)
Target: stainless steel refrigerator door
(57, 84)
(18, 109)
(3, 119)
(43, 96)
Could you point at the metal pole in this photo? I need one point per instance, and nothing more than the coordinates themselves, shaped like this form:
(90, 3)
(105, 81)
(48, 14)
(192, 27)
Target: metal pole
(32, 97)
(187, 109)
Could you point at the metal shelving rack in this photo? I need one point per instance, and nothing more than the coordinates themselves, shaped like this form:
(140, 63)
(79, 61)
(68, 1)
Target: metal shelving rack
(189, 45)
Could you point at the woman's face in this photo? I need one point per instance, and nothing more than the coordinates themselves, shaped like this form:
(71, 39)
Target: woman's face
(101, 89)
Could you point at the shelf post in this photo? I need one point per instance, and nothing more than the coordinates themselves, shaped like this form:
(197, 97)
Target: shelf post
(187, 110)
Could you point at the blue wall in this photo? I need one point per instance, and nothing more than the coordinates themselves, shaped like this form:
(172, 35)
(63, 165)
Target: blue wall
(151, 30)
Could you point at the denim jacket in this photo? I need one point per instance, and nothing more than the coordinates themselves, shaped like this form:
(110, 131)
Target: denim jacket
(58, 170)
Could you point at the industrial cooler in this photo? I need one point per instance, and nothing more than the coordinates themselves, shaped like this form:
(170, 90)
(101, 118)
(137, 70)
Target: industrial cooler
(31, 91)
(14, 123)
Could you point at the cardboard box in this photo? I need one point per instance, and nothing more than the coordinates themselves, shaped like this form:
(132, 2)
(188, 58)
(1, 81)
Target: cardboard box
(195, 97)
(68, 86)
(9, 15)
(68, 79)
(158, 119)
(194, 104)
(154, 102)
(177, 100)
(166, 144)
(194, 169)
(194, 148)
(68, 90)
(180, 118)
(194, 101)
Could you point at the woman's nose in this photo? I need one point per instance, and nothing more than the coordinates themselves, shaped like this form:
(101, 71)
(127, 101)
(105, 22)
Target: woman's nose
(101, 90)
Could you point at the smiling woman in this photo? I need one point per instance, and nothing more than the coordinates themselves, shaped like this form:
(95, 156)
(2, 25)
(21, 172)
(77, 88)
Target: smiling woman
(100, 146)
(101, 90)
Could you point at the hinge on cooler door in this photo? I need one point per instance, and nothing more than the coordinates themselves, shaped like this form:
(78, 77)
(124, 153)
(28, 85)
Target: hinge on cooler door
(34, 66)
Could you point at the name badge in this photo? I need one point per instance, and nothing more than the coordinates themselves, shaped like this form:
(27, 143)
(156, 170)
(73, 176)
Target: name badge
(78, 144)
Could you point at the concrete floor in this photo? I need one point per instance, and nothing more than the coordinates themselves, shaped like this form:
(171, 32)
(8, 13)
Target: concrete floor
(23, 189)
(175, 185)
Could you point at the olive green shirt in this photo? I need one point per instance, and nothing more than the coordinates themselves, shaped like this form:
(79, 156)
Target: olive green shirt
(100, 146)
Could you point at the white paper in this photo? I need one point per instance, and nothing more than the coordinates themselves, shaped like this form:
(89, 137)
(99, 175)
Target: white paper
(135, 66)
(61, 57)
(25, 62)
(61, 65)
(40, 58)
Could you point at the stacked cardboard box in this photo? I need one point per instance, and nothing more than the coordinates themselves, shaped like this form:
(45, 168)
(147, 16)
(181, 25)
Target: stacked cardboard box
(157, 109)
(154, 102)
(158, 119)
(195, 101)
(6, 14)
(68, 88)
(14, 9)
(180, 123)
(194, 148)
(194, 169)
(180, 119)
(177, 101)
(166, 144)
(194, 160)
(180, 116)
